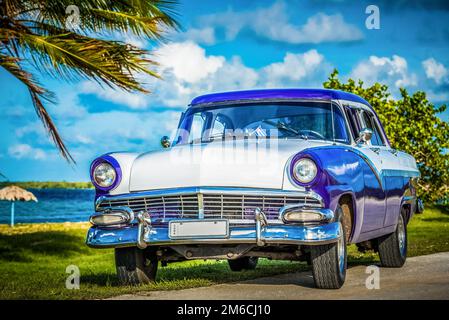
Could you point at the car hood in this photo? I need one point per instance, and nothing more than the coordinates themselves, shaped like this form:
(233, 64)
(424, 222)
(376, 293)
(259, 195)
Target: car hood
(240, 163)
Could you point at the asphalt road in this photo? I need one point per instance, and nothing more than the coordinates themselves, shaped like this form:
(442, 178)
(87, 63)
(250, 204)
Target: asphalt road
(424, 277)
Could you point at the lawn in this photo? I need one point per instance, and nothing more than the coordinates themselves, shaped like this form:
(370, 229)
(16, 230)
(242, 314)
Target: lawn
(34, 257)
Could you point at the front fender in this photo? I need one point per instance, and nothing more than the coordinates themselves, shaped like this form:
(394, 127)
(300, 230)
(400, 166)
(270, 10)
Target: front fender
(342, 173)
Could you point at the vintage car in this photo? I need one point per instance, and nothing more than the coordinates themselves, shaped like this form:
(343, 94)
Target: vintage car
(292, 174)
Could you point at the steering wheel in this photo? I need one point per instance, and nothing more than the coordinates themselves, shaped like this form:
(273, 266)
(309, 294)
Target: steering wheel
(308, 132)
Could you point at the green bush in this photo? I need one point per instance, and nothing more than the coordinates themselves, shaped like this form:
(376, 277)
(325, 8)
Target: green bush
(412, 125)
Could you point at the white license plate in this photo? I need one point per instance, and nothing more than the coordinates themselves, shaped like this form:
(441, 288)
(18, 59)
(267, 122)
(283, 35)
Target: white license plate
(198, 229)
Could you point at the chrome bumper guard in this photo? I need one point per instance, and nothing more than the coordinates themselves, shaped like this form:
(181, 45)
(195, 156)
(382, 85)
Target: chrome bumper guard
(143, 234)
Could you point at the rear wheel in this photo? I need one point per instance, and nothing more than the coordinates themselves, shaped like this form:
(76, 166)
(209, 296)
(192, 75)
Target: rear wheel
(244, 263)
(393, 247)
(135, 266)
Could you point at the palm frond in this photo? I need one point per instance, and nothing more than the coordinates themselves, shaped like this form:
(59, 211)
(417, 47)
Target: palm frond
(72, 56)
(139, 25)
(98, 16)
(36, 30)
(37, 94)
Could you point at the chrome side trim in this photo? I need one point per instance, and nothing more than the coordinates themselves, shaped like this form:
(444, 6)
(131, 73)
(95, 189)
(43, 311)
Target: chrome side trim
(399, 173)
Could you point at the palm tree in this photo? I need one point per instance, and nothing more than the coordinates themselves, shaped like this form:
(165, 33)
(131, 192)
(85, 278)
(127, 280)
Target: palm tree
(36, 33)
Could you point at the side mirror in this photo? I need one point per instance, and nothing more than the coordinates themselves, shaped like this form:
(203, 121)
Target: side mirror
(365, 135)
(165, 142)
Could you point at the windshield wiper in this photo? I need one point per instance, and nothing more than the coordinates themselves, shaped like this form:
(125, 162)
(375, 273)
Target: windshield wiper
(283, 126)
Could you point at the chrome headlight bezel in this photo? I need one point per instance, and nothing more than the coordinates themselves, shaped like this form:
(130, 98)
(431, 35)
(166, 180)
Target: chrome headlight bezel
(112, 165)
(301, 163)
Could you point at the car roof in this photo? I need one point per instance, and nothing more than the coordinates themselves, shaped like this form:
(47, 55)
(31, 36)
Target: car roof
(276, 94)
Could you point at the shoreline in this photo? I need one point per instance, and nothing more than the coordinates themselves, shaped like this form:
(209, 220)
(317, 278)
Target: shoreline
(49, 185)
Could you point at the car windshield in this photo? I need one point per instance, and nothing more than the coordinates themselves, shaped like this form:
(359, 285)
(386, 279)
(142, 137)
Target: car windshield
(299, 120)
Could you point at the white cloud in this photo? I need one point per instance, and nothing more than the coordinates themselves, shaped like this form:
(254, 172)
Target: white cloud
(36, 128)
(20, 151)
(119, 130)
(177, 91)
(391, 71)
(202, 36)
(300, 69)
(133, 100)
(187, 71)
(435, 70)
(274, 23)
(68, 106)
(187, 61)
(437, 97)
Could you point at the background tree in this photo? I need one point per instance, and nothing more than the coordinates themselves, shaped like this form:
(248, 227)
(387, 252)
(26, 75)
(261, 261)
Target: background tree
(38, 33)
(412, 125)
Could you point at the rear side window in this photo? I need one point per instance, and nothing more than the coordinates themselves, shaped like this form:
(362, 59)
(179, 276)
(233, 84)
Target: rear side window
(351, 114)
(340, 128)
(371, 123)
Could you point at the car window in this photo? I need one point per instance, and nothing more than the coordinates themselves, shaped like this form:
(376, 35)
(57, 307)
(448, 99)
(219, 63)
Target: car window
(340, 128)
(290, 120)
(368, 119)
(351, 114)
(219, 127)
(196, 130)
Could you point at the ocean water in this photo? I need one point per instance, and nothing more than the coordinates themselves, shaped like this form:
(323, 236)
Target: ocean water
(54, 205)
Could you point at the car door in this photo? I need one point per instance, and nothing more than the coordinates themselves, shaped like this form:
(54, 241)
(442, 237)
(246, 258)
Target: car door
(393, 180)
(374, 193)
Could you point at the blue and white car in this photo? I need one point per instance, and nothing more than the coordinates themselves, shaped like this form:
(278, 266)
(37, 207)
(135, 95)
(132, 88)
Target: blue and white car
(293, 174)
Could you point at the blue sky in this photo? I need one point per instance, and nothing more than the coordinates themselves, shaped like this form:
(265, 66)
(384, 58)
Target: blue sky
(227, 45)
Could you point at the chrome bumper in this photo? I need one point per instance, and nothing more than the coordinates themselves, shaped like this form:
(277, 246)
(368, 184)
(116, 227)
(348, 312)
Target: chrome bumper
(139, 231)
(98, 237)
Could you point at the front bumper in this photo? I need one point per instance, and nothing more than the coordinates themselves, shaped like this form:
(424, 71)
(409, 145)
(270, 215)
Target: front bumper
(99, 237)
(274, 217)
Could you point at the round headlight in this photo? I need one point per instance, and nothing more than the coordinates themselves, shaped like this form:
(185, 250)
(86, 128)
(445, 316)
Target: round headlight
(305, 170)
(104, 175)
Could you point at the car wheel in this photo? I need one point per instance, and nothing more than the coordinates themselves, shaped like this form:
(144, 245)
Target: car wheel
(244, 263)
(393, 247)
(135, 266)
(329, 263)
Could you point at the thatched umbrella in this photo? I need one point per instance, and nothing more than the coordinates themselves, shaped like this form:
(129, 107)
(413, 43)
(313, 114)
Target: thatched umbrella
(14, 193)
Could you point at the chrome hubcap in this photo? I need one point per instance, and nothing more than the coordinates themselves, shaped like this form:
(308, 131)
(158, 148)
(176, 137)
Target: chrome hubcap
(341, 251)
(401, 235)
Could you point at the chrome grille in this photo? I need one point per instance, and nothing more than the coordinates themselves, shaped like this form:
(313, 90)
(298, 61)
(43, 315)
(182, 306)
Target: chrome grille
(214, 205)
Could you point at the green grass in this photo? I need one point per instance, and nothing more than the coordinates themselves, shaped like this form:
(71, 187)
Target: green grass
(34, 257)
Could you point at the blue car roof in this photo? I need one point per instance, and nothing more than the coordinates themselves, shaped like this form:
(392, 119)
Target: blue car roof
(274, 94)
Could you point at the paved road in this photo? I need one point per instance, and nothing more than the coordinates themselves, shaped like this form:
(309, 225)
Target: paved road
(424, 277)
